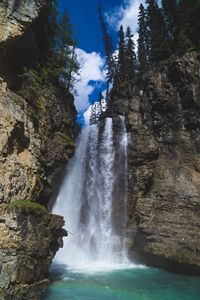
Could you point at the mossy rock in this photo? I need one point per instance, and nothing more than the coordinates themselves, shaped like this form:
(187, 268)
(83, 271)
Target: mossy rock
(28, 207)
(68, 122)
(66, 139)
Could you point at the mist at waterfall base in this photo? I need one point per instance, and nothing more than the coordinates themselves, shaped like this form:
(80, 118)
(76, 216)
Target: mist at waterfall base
(93, 200)
(93, 263)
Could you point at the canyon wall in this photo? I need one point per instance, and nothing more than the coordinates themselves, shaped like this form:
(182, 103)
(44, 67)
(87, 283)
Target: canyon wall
(163, 120)
(36, 139)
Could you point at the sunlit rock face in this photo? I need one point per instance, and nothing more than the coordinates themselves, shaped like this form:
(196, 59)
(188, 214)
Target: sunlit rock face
(16, 15)
(18, 42)
(30, 151)
(36, 139)
(28, 244)
(163, 120)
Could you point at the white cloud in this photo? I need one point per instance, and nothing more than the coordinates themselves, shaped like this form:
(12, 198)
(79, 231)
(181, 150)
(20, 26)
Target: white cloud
(87, 114)
(91, 69)
(125, 15)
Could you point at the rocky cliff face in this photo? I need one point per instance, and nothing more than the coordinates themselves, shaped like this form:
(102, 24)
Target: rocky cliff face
(163, 120)
(35, 140)
(16, 15)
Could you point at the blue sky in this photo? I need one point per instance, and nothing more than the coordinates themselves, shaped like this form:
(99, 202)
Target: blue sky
(84, 17)
(87, 32)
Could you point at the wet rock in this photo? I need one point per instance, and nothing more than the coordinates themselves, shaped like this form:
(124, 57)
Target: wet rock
(164, 181)
(29, 155)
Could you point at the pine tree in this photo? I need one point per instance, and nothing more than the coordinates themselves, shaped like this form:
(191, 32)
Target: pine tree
(121, 56)
(56, 58)
(189, 15)
(46, 31)
(130, 56)
(96, 110)
(158, 39)
(100, 98)
(65, 50)
(195, 23)
(62, 63)
(170, 12)
(92, 115)
(108, 45)
(143, 47)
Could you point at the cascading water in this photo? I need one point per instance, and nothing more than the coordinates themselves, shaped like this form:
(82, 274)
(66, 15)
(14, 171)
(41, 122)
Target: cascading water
(93, 200)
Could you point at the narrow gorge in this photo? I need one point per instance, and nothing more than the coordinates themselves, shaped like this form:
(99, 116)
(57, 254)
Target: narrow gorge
(124, 192)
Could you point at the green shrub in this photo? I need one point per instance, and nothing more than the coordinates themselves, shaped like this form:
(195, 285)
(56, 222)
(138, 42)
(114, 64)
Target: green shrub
(27, 206)
(32, 87)
(66, 139)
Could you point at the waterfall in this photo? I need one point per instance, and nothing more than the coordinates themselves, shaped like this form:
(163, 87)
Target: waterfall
(93, 199)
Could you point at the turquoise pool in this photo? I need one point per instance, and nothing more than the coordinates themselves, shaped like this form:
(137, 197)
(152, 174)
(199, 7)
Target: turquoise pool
(127, 284)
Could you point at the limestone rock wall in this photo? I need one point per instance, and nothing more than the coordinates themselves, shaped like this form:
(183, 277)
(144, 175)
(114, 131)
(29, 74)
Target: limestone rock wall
(36, 139)
(27, 245)
(163, 120)
(164, 158)
(31, 150)
(16, 15)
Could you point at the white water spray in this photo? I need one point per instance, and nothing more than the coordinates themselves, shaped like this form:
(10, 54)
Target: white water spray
(93, 200)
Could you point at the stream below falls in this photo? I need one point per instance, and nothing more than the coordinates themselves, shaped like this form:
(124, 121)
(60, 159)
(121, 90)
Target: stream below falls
(127, 284)
(94, 264)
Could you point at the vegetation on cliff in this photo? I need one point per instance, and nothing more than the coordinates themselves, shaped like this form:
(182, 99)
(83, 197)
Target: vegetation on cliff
(163, 31)
(37, 129)
(166, 30)
(28, 207)
(56, 61)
